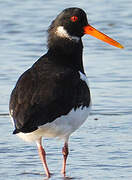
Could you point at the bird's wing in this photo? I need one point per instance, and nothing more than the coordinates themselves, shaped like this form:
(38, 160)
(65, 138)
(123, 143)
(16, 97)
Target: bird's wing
(41, 96)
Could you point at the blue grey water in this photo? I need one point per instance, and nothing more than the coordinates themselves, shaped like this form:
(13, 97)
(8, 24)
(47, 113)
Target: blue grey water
(102, 148)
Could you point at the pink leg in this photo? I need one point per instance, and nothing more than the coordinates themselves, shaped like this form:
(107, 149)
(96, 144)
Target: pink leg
(65, 153)
(42, 155)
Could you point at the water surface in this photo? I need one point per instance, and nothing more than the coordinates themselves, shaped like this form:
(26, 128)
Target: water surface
(101, 149)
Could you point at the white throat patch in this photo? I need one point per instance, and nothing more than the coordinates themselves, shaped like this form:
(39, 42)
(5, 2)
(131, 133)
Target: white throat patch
(61, 32)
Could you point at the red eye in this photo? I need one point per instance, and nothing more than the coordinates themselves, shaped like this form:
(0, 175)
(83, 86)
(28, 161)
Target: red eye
(74, 18)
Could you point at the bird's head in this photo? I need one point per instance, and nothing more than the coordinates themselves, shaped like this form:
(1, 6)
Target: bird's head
(71, 24)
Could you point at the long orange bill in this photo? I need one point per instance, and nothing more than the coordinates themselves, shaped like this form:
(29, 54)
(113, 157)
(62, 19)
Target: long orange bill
(94, 32)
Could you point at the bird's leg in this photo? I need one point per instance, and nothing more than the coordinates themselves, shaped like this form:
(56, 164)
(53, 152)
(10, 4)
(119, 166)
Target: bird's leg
(42, 155)
(65, 153)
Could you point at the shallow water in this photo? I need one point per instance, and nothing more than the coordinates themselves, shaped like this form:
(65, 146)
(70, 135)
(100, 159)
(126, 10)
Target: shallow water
(101, 149)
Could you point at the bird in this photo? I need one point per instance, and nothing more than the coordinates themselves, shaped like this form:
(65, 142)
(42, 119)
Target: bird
(52, 98)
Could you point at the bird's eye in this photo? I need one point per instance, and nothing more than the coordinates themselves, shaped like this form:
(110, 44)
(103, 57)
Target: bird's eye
(74, 18)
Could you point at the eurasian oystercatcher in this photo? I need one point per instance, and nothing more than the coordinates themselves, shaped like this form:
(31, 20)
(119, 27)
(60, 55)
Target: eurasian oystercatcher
(52, 98)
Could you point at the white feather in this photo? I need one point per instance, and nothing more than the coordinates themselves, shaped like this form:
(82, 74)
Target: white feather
(61, 32)
(61, 128)
(83, 77)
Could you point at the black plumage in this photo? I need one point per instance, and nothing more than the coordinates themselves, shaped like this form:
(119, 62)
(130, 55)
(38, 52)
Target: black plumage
(47, 91)
(52, 86)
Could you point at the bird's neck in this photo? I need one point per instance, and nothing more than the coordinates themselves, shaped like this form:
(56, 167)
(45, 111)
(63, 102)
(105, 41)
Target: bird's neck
(67, 53)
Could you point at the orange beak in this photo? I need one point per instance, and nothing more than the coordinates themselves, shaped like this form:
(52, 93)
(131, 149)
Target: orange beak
(93, 32)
